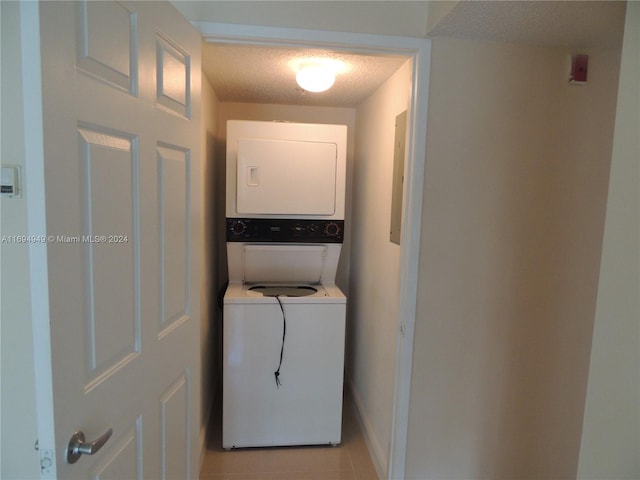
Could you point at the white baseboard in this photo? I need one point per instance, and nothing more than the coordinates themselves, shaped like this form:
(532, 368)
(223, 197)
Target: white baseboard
(378, 457)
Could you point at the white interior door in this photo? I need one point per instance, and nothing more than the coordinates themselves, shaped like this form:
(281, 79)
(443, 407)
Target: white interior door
(121, 94)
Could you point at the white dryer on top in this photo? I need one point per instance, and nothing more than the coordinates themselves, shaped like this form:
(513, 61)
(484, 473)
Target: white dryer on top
(285, 170)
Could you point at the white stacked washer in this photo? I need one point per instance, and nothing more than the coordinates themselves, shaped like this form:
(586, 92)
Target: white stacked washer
(284, 317)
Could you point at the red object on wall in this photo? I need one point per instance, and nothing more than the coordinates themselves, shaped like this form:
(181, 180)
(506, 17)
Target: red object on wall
(579, 66)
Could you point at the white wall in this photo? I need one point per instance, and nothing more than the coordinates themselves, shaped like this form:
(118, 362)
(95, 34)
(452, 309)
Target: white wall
(209, 311)
(19, 429)
(404, 18)
(611, 432)
(515, 191)
(375, 266)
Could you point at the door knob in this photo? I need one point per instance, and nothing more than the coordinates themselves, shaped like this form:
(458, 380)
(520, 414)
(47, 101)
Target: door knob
(77, 445)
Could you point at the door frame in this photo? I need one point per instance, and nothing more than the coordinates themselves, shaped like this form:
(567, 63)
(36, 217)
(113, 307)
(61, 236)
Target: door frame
(37, 228)
(419, 50)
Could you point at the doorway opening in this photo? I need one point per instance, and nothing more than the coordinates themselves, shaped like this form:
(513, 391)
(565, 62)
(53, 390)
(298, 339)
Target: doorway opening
(357, 267)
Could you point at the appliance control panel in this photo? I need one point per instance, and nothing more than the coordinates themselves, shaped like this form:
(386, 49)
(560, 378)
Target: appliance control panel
(284, 230)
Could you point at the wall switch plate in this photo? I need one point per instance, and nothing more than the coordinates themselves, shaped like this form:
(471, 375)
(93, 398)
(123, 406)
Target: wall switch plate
(10, 181)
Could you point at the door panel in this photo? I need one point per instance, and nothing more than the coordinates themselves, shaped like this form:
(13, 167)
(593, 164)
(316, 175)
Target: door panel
(174, 423)
(121, 90)
(174, 71)
(108, 164)
(124, 459)
(173, 170)
(106, 42)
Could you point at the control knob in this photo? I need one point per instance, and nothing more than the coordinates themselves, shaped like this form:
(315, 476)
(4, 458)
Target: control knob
(332, 229)
(238, 228)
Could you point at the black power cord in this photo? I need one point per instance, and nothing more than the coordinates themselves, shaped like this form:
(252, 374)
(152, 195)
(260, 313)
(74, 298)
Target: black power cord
(284, 332)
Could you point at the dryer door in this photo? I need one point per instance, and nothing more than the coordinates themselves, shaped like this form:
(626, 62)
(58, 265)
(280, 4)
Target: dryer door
(278, 177)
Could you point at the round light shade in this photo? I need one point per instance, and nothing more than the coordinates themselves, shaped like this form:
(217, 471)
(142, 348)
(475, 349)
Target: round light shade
(315, 77)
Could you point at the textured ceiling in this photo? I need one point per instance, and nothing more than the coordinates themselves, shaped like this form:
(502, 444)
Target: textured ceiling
(245, 73)
(253, 74)
(577, 24)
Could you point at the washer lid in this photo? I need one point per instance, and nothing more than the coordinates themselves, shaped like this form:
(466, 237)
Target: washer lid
(283, 263)
(284, 290)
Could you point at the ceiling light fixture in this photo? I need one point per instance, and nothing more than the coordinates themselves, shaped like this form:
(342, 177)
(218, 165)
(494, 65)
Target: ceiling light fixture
(316, 76)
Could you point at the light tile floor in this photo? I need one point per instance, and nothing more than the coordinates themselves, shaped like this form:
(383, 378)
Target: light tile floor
(348, 461)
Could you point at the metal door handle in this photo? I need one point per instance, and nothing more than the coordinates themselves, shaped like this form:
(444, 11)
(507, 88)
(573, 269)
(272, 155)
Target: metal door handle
(77, 446)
